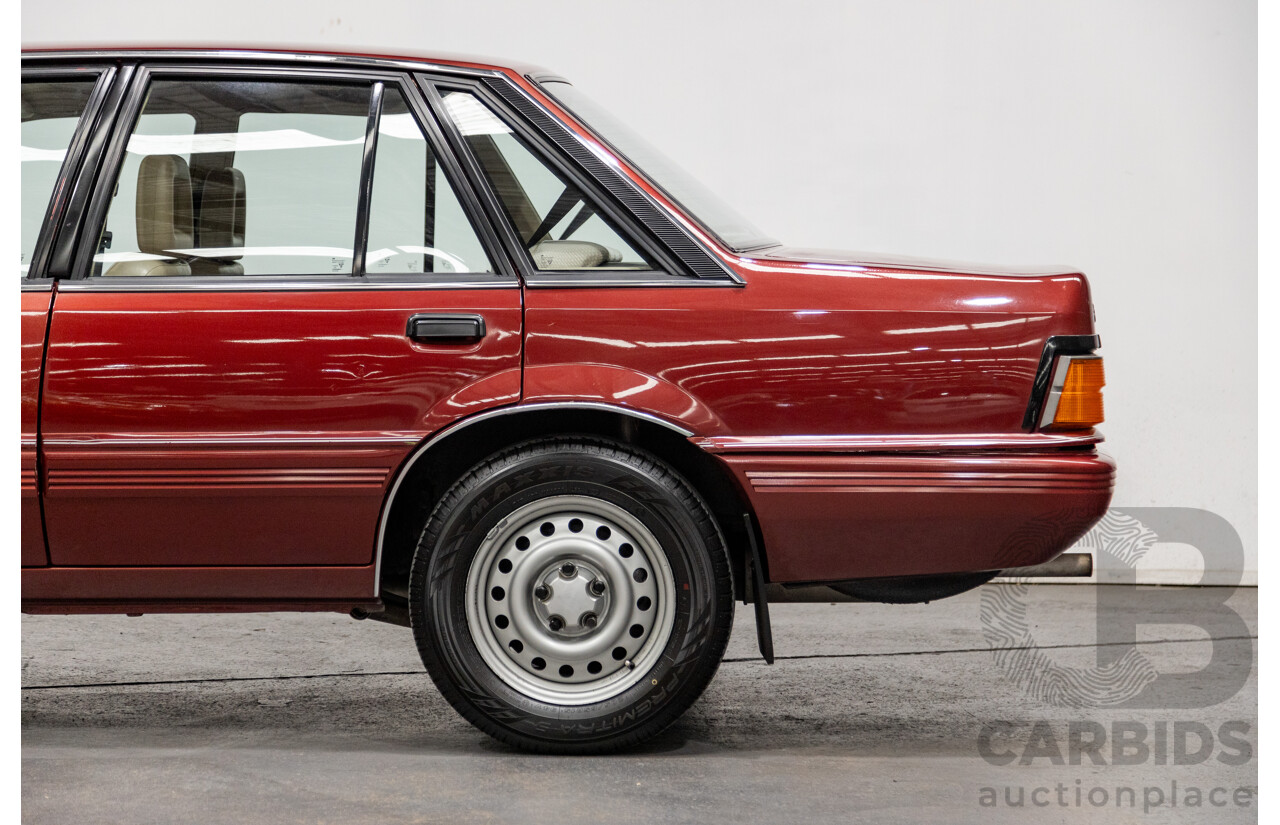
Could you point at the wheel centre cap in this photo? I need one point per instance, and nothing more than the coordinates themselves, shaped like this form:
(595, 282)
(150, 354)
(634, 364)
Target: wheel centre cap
(571, 597)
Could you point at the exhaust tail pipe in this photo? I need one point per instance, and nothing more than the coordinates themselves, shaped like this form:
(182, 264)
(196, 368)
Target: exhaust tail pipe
(1066, 566)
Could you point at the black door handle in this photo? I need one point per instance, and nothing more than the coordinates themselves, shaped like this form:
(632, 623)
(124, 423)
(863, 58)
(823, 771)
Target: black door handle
(433, 326)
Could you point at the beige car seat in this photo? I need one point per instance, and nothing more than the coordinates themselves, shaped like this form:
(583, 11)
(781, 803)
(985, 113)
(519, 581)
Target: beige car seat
(163, 217)
(221, 223)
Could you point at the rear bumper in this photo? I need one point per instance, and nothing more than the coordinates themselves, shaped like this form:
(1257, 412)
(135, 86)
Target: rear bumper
(836, 517)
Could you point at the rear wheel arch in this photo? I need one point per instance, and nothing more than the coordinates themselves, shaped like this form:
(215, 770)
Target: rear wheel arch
(429, 471)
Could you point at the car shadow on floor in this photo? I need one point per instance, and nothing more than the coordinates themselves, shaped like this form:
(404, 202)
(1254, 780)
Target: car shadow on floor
(831, 706)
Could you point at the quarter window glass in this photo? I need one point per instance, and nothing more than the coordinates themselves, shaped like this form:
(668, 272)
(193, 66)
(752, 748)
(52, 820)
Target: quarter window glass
(560, 226)
(239, 178)
(50, 112)
(416, 223)
(736, 231)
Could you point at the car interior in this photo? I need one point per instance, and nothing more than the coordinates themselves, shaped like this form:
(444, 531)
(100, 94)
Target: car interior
(559, 225)
(235, 177)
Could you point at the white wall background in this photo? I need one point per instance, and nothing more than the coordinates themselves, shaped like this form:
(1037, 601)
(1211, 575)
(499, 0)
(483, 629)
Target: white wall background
(1116, 135)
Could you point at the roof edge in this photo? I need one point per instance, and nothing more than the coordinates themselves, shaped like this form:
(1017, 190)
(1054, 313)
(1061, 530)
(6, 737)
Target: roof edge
(363, 55)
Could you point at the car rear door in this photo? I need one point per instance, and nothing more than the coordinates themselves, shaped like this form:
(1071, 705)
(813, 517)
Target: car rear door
(281, 287)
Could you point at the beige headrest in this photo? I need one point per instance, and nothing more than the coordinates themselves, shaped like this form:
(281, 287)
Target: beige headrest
(164, 205)
(222, 211)
(551, 255)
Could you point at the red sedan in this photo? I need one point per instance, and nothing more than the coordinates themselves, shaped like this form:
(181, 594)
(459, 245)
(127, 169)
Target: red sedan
(438, 342)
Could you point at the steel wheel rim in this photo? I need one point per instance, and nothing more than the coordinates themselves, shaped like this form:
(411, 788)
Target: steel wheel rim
(518, 585)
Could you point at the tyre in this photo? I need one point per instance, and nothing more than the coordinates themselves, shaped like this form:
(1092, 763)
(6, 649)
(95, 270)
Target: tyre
(571, 596)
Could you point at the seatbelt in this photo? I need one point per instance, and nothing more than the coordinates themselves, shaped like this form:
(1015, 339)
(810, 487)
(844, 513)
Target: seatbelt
(579, 219)
(559, 209)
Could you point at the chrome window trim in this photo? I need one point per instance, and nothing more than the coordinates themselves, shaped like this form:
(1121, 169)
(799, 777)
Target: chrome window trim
(266, 56)
(273, 283)
(1056, 386)
(568, 279)
(487, 415)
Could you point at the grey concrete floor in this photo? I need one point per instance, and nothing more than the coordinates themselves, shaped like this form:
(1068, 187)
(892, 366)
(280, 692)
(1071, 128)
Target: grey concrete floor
(872, 713)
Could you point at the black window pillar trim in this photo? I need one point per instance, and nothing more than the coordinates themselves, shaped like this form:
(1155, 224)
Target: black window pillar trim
(62, 252)
(454, 163)
(540, 80)
(103, 163)
(103, 75)
(494, 216)
(701, 262)
(361, 245)
(1055, 346)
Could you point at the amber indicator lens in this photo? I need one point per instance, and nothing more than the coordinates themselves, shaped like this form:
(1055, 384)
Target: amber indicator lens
(1080, 406)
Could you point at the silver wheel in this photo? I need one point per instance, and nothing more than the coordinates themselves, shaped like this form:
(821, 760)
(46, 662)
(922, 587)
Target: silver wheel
(570, 600)
(571, 595)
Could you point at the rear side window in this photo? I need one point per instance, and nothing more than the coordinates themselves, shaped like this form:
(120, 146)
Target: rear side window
(416, 223)
(51, 110)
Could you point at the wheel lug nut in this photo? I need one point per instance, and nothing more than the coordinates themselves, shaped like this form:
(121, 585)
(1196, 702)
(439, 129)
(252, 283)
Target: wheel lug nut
(555, 623)
(589, 620)
(596, 587)
(542, 592)
(568, 570)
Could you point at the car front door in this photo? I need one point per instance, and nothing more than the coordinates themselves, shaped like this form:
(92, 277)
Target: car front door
(59, 105)
(281, 287)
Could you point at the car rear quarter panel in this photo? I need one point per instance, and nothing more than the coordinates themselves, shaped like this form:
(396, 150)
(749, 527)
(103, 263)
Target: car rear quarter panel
(902, 380)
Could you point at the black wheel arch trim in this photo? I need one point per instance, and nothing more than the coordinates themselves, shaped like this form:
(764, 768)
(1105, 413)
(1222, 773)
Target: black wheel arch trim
(453, 429)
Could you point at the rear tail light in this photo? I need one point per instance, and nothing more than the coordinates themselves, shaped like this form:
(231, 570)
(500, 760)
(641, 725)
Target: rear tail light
(1075, 399)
